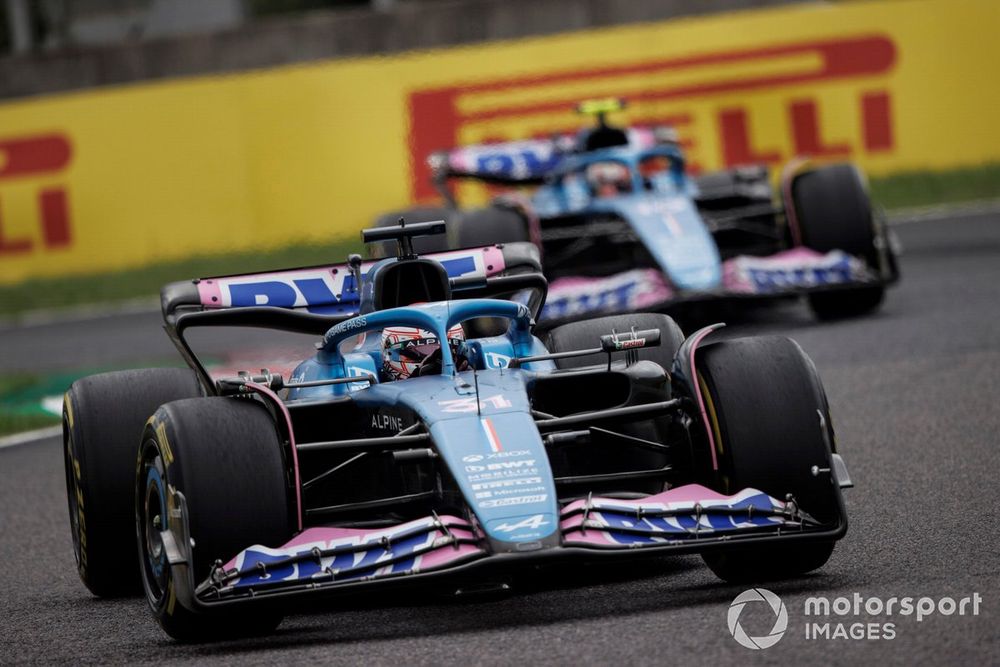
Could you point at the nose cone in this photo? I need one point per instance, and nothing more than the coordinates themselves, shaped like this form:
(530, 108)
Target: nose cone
(499, 461)
(490, 444)
(675, 235)
(692, 263)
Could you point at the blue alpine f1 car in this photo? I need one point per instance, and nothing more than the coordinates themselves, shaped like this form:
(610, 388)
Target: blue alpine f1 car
(413, 428)
(621, 226)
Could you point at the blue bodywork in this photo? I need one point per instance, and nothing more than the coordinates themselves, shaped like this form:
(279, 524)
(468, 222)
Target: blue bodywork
(462, 412)
(660, 207)
(594, 208)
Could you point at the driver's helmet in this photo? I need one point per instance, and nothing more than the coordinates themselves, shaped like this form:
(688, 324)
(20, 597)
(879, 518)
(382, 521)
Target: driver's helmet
(607, 179)
(406, 349)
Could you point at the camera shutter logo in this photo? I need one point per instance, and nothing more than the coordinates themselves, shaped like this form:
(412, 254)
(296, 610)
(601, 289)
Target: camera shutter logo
(776, 606)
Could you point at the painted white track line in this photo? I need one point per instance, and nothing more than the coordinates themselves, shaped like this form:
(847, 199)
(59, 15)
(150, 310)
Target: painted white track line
(30, 436)
(82, 313)
(902, 216)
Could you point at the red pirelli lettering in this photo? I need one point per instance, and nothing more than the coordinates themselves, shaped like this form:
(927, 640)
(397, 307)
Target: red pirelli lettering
(55, 217)
(735, 133)
(436, 119)
(876, 119)
(34, 156)
(806, 138)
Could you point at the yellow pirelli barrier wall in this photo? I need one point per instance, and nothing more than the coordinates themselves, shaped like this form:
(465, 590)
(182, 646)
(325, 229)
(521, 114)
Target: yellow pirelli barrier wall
(119, 177)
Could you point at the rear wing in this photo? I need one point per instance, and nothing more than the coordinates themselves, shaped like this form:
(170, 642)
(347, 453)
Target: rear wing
(508, 163)
(528, 161)
(320, 296)
(311, 300)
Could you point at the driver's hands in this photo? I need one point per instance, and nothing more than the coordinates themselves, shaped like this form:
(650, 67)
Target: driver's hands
(432, 364)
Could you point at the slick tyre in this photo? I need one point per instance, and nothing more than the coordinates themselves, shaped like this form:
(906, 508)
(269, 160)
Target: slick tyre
(834, 213)
(587, 333)
(490, 225)
(765, 401)
(103, 418)
(225, 457)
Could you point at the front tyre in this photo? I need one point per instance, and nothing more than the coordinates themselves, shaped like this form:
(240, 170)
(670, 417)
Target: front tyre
(765, 404)
(834, 213)
(225, 457)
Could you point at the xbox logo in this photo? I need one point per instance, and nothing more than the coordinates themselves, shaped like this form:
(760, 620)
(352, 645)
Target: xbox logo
(777, 607)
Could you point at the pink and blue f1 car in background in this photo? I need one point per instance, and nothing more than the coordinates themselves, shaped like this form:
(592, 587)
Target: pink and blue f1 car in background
(229, 497)
(622, 227)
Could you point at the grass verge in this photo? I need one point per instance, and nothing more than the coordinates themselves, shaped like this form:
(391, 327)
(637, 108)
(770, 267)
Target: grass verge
(20, 402)
(29, 401)
(927, 188)
(896, 191)
(13, 422)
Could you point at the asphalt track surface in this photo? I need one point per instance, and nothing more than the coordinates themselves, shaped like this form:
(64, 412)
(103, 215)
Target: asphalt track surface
(914, 393)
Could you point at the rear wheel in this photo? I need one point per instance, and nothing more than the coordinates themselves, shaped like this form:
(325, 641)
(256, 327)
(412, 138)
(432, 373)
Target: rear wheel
(834, 213)
(225, 457)
(103, 418)
(587, 333)
(490, 225)
(765, 404)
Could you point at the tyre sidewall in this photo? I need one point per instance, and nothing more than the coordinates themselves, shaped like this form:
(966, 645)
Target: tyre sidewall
(225, 456)
(103, 417)
(765, 403)
(489, 226)
(834, 211)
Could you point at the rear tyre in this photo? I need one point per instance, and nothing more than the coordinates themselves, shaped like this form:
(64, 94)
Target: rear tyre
(586, 334)
(422, 245)
(225, 457)
(764, 401)
(103, 417)
(834, 213)
(490, 225)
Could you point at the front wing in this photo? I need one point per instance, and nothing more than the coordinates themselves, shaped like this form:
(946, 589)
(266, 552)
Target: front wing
(689, 518)
(790, 272)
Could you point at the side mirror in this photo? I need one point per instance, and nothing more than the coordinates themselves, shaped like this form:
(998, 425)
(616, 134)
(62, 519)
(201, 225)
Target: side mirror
(631, 340)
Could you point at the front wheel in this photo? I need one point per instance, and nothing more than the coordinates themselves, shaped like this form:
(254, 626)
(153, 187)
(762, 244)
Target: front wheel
(834, 213)
(841, 304)
(769, 415)
(224, 456)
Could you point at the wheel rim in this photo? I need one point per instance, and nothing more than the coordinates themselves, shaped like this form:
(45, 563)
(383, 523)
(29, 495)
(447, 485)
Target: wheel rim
(73, 495)
(152, 519)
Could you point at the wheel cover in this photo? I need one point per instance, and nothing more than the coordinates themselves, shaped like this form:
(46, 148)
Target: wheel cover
(74, 496)
(152, 519)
